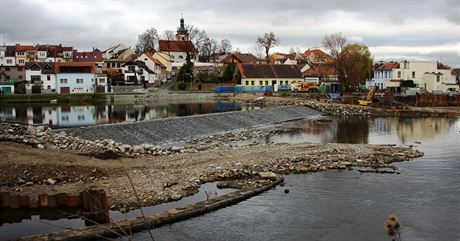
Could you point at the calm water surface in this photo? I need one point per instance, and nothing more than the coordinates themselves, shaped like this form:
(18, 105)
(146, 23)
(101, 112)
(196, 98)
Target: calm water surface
(347, 205)
(62, 116)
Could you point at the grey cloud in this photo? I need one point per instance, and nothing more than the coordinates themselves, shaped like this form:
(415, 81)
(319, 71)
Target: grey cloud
(298, 23)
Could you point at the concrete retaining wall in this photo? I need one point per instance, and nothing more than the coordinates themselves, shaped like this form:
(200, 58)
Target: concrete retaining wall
(182, 128)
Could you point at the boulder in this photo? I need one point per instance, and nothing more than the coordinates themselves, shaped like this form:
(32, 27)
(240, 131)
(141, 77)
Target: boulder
(268, 175)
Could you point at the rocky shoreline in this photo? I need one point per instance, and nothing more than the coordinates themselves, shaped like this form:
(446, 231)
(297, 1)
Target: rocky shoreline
(339, 109)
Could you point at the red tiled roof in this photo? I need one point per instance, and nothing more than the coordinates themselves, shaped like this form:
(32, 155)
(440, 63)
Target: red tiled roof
(177, 46)
(443, 66)
(391, 65)
(242, 58)
(22, 48)
(156, 61)
(94, 56)
(320, 71)
(316, 52)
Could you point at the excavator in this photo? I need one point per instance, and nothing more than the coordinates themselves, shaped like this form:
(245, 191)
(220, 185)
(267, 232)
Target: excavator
(304, 87)
(370, 98)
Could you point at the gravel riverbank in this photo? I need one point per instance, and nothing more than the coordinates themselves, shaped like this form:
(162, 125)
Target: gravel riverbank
(28, 168)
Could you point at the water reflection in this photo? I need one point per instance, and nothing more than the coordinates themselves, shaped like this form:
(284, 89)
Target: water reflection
(363, 130)
(84, 115)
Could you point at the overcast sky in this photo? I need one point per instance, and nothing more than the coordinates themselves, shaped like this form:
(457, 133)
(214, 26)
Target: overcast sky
(393, 29)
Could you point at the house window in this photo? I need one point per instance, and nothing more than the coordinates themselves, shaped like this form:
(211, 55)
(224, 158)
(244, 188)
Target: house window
(20, 53)
(438, 78)
(131, 68)
(63, 81)
(413, 74)
(101, 81)
(261, 82)
(48, 77)
(20, 77)
(21, 61)
(81, 117)
(7, 68)
(247, 82)
(252, 82)
(399, 74)
(48, 87)
(266, 82)
(7, 77)
(35, 78)
(65, 118)
(9, 61)
(19, 68)
(180, 57)
(79, 81)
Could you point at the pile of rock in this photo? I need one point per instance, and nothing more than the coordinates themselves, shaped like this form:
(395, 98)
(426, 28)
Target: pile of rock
(330, 108)
(49, 139)
(320, 161)
(234, 136)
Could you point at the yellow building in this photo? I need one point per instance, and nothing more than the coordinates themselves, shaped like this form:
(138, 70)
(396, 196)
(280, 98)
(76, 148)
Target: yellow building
(268, 74)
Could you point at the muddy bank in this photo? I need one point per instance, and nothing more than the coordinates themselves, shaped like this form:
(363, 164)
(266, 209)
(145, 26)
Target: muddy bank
(338, 109)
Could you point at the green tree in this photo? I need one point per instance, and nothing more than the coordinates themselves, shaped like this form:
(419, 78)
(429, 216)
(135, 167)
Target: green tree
(185, 74)
(353, 62)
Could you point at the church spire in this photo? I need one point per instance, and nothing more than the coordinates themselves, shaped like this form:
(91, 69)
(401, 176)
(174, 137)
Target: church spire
(182, 33)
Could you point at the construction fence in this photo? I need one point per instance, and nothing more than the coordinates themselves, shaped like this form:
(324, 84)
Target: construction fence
(437, 100)
(251, 89)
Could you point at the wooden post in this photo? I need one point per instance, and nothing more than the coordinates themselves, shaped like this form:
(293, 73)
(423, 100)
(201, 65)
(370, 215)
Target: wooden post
(43, 200)
(4, 200)
(96, 202)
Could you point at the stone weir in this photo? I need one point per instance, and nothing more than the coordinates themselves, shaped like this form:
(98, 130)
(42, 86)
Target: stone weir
(181, 128)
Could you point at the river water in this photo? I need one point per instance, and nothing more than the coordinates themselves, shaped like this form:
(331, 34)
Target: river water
(63, 116)
(347, 205)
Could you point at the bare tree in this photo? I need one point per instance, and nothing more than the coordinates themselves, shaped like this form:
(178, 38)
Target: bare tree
(334, 43)
(225, 46)
(209, 49)
(268, 41)
(147, 41)
(169, 35)
(258, 51)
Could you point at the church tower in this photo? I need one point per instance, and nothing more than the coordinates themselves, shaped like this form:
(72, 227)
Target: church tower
(182, 34)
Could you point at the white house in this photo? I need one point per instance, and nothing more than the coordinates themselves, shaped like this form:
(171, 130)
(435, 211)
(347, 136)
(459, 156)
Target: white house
(41, 73)
(7, 59)
(138, 73)
(155, 65)
(383, 73)
(75, 77)
(426, 75)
